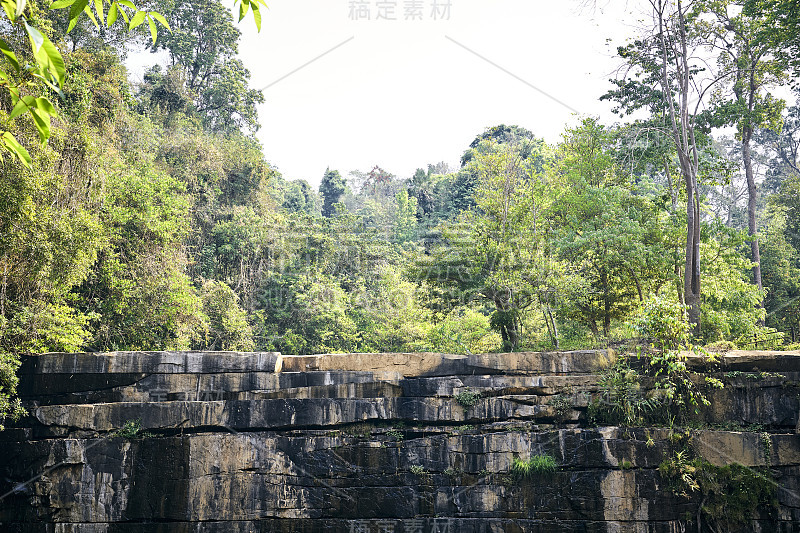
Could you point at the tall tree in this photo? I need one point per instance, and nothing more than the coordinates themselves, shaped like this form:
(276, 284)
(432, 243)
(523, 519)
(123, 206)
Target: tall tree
(494, 253)
(666, 64)
(203, 44)
(332, 188)
(751, 69)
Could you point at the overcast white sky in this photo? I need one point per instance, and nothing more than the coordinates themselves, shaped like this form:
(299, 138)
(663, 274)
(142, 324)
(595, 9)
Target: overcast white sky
(403, 93)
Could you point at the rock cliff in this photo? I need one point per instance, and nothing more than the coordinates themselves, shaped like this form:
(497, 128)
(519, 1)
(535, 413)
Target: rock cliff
(136, 442)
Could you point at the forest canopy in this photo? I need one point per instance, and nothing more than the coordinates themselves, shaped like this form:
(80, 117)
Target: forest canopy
(151, 218)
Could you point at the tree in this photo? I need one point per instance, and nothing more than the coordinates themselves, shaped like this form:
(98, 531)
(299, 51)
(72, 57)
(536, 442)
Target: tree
(668, 61)
(748, 63)
(606, 229)
(493, 253)
(26, 82)
(780, 28)
(228, 327)
(56, 224)
(331, 188)
(203, 44)
(406, 220)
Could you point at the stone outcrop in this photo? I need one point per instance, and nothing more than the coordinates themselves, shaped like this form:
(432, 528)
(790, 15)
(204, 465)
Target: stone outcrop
(260, 442)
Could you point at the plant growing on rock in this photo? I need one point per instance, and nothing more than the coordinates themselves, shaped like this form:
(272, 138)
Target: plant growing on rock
(664, 323)
(730, 495)
(396, 434)
(562, 407)
(132, 429)
(467, 398)
(418, 470)
(536, 465)
(621, 401)
(10, 407)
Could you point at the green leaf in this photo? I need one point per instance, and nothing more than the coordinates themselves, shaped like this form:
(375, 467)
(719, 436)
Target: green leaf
(89, 14)
(42, 121)
(60, 4)
(127, 3)
(113, 12)
(17, 149)
(20, 7)
(12, 58)
(75, 11)
(10, 7)
(256, 14)
(244, 7)
(45, 105)
(49, 59)
(137, 19)
(160, 18)
(36, 37)
(98, 7)
(153, 30)
(22, 106)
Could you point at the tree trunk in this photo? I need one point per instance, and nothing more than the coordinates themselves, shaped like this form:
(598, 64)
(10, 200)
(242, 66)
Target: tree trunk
(752, 200)
(549, 327)
(691, 276)
(555, 328)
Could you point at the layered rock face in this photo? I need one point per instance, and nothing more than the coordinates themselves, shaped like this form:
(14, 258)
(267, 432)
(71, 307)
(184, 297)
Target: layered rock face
(259, 442)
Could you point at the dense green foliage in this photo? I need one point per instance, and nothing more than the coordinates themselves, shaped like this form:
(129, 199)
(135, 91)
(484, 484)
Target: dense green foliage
(152, 220)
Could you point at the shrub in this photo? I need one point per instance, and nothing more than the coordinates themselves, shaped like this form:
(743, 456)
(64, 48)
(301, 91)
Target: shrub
(621, 401)
(467, 398)
(132, 429)
(663, 321)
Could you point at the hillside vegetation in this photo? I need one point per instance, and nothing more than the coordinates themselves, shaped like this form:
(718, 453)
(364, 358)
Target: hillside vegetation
(152, 219)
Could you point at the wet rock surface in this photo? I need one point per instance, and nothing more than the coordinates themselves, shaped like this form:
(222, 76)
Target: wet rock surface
(230, 442)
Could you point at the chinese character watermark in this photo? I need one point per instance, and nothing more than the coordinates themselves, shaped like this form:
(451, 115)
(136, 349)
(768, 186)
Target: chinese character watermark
(388, 10)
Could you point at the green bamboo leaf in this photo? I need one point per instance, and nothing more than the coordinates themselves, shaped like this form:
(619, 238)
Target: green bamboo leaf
(124, 15)
(244, 7)
(127, 3)
(137, 19)
(256, 14)
(47, 80)
(10, 7)
(12, 58)
(50, 61)
(45, 105)
(11, 144)
(42, 122)
(153, 30)
(113, 12)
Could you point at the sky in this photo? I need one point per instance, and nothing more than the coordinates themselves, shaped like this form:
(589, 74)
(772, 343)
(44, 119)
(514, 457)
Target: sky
(349, 92)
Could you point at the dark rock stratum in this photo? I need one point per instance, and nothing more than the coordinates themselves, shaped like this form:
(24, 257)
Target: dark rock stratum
(139, 442)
